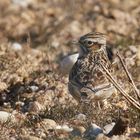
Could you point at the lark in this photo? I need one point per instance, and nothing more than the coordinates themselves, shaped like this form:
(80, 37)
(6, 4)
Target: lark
(86, 78)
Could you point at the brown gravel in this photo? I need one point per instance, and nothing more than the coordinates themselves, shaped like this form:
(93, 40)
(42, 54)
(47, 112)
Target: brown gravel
(31, 83)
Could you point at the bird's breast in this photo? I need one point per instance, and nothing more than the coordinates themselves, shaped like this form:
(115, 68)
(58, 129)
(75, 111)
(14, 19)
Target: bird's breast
(88, 72)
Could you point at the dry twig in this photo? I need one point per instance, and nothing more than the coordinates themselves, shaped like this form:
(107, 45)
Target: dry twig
(129, 75)
(128, 97)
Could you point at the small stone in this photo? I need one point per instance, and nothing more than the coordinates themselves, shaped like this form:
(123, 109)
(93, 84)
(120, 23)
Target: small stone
(55, 44)
(16, 46)
(131, 131)
(19, 103)
(65, 128)
(33, 88)
(49, 124)
(19, 117)
(6, 117)
(23, 131)
(67, 63)
(133, 48)
(81, 117)
(93, 131)
(108, 127)
(3, 85)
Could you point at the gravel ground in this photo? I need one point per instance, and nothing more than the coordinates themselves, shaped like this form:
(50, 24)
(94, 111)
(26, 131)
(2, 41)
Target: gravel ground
(35, 43)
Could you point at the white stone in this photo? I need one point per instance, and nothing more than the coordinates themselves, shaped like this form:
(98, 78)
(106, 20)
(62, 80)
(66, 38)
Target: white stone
(108, 127)
(64, 128)
(55, 44)
(6, 117)
(34, 88)
(81, 117)
(16, 46)
(67, 63)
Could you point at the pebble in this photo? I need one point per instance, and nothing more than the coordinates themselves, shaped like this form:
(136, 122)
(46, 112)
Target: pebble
(49, 124)
(93, 131)
(108, 127)
(18, 118)
(19, 103)
(55, 44)
(81, 117)
(3, 85)
(67, 63)
(6, 117)
(33, 88)
(65, 128)
(16, 46)
(133, 48)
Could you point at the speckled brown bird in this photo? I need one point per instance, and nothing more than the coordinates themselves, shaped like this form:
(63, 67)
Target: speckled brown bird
(86, 78)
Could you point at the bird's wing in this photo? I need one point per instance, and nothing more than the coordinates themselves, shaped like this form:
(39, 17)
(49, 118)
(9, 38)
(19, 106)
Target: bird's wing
(92, 90)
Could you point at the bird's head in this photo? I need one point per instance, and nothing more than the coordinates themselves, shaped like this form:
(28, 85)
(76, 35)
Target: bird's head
(92, 42)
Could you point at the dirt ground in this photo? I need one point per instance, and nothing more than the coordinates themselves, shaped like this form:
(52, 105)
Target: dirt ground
(35, 36)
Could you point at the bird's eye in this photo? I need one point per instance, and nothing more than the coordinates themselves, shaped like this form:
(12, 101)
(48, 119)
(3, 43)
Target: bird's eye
(89, 42)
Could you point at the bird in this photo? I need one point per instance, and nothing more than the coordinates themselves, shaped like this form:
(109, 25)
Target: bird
(86, 78)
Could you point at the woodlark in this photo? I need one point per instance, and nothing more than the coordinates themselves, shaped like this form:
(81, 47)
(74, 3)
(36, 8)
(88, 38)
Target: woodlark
(86, 78)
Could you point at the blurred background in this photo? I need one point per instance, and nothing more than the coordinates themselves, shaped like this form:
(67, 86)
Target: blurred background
(53, 24)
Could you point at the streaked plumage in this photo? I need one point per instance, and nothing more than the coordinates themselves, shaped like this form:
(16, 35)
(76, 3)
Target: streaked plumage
(85, 78)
